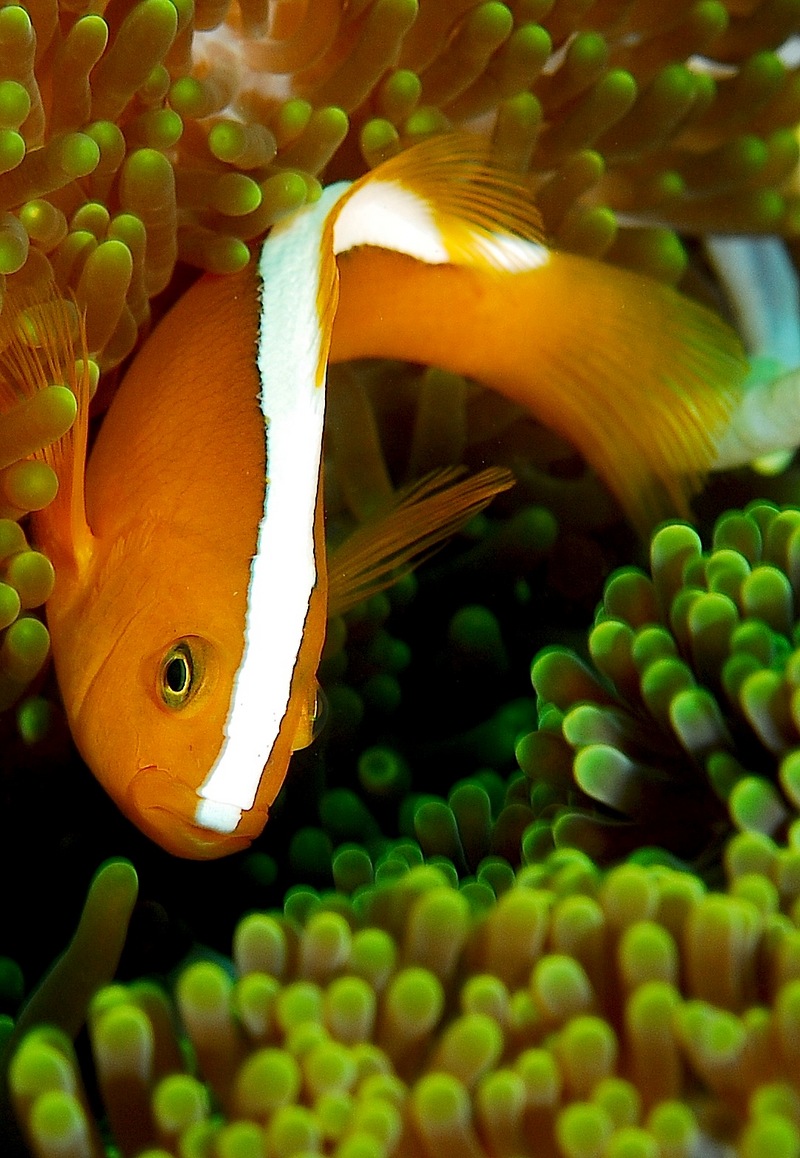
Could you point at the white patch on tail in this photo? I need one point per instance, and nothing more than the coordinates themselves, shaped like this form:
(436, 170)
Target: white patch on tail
(385, 214)
(389, 215)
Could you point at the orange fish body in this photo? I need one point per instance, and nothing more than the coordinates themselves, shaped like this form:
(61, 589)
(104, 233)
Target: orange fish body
(174, 491)
(583, 347)
(191, 596)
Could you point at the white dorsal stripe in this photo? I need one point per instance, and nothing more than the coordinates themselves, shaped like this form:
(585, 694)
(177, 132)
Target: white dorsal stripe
(391, 216)
(283, 571)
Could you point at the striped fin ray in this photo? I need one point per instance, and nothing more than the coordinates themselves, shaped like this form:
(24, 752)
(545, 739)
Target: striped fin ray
(446, 200)
(42, 346)
(418, 520)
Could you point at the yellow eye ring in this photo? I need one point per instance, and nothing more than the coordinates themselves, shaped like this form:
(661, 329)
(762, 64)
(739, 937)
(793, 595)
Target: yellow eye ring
(180, 675)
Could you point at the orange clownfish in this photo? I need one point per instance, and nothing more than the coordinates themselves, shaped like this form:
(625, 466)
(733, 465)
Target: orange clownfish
(191, 595)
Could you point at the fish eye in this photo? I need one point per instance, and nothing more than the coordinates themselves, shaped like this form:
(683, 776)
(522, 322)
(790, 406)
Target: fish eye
(180, 675)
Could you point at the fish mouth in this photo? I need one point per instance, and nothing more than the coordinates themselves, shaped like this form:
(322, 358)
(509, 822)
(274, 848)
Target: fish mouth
(164, 809)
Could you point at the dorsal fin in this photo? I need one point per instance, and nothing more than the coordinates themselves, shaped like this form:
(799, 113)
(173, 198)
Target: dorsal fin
(444, 200)
(421, 517)
(43, 344)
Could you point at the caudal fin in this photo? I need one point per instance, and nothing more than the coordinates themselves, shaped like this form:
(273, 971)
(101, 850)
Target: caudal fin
(641, 379)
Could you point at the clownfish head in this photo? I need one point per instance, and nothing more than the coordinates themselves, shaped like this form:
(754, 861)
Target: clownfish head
(152, 714)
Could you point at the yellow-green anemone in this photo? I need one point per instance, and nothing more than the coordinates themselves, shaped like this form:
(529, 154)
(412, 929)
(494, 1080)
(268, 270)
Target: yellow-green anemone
(575, 1013)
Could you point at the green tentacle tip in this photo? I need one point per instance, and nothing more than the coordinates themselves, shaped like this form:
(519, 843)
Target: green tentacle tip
(15, 23)
(440, 1103)
(400, 91)
(58, 1123)
(122, 1036)
(178, 1101)
(632, 1142)
(583, 1130)
(30, 486)
(9, 604)
(476, 635)
(352, 868)
(12, 538)
(262, 868)
(238, 1140)
(80, 155)
(110, 141)
(284, 193)
(332, 122)
(293, 1130)
(15, 104)
(236, 194)
(12, 149)
(227, 140)
(148, 167)
(24, 649)
(204, 988)
(224, 254)
(373, 956)
(112, 893)
(188, 98)
(755, 805)
(436, 830)
(350, 1009)
(661, 253)
(382, 693)
(310, 853)
(33, 576)
(673, 1124)
(344, 816)
(269, 1079)
(42, 1063)
(416, 999)
(588, 52)
(61, 409)
(772, 1135)
(379, 139)
(329, 1067)
(560, 987)
(383, 772)
(14, 243)
(292, 118)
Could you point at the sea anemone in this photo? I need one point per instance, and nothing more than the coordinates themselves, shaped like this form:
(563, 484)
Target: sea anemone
(61, 999)
(686, 729)
(151, 139)
(574, 1014)
(156, 132)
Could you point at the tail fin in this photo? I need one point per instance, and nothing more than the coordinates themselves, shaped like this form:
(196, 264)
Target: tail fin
(640, 378)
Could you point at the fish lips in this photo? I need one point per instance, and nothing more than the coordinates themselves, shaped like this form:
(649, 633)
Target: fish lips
(164, 809)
